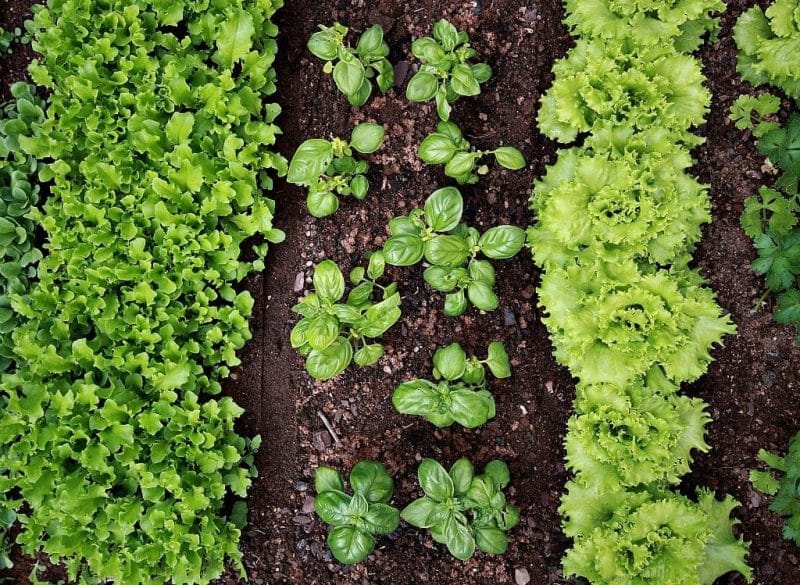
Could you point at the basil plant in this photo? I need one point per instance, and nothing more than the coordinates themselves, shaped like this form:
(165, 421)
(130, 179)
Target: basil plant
(459, 393)
(462, 510)
(333, 333)
(446, 73)
(354, 69)
(452, 249)
(329, 170)
(356, 520)
(447, 146)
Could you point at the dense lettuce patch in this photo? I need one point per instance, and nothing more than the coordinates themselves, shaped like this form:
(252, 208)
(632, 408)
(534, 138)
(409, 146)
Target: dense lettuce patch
(157, 141)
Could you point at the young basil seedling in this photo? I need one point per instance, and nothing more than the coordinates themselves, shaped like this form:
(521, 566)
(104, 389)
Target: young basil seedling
(464, 511)
(434, 233)
(446, 74)
(448, 147)
(356, 519)
(460, 395)
(354, 69)
(329, 170)
(332, 333)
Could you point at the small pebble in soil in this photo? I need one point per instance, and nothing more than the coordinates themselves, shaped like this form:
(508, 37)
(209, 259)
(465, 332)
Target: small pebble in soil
(768, 378)
(508, 317)
(400, 73)
(299, 282)
(321, 440)
(521, 577)
(301, 486)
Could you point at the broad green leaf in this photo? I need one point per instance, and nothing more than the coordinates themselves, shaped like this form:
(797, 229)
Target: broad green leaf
(437, 149)
(458, 539)
(434, 480)
(370, 41)
(447, 250)
(367, 138)
(502, 242)
(368, 355)
(350, 545)
(371, 480)
(327, 364)
(417, 397)
(332, 506)
(179, 127)
(235, 39)
(322, 331)
(443, 209)
(463, 81)
(418, 512)
(403, 250)
(446, 34)
(510, 158)
(455, 304)
(482, 296)
(349, 75)
(327, 479)
(422, 87)
(322, 203)
(322, 45)
(328, 281)
(499, 473)
(382, 519)
(498, 360)
(310, 161)
(462, 473)
(450, 361)
(491, 540)
(469, 409)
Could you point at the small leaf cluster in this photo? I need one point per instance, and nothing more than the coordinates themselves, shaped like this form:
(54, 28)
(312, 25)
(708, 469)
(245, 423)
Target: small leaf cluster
(782, 480)
(354, 69)
(458, 394)
(436, 234)
(446, 74)
(329, 170)
(6, 38)
(7, 518)
(462, 510)
(447, 146)
(752, 113)
(332, 333)
(355, 520)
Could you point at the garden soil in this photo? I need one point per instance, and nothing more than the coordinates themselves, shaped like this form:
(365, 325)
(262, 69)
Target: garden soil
(751, 388)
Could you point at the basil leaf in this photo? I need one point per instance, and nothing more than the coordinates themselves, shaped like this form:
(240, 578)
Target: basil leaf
(418, 512)
(434, 480)
(498, 471)
(463, 81)
(491, 540)
(447, 250)
(371, 480)
(367, 138)
(422, 87)
(349, 75)
(328, 281)
(502, 242)
(481, 72)
(482, 270)
(370, 41)
(298, 336)
(385, 78)
(368, 355)
(446, 34)
(437, 149)
(509, 518)
(443, 107)
(350, 545)
(469, 409)
(322, 46)
(333, 506)
(322, 203)
(327, 479)
(361, 96)
(443, 209)
(482, 296)
(427, 50)
(461, 165)
(361, 294)
(376, 265)
(381, 316)
(450, 361)
(455, 304)
(498, 360)
(444, 279)
(510, 158)
(327, 364)
(359, 187)
(346, 313)
(399, 226)
(462, 473)
(417, 397)
(458, 539)
(322, 331)
(310, 162)
(475, 373)
(382, 519)
(403, 250)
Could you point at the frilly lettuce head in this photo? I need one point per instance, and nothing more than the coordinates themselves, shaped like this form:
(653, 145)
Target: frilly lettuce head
(634, 436)
(769, 46)
(611, 323)
(645, 22)
(649, 537)
(616, 206)
(604, 85)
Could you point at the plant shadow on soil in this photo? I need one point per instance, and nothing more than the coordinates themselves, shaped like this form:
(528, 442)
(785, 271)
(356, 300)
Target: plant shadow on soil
(750, 388)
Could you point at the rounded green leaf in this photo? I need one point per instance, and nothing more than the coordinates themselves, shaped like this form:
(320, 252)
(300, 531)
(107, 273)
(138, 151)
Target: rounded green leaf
(357, 275)
(367, 138)
(385, 71)
(361, 97)
(482, 296)
(403, 250)
(371, 480)
(377, 265)
(322, 46)
(322, 331)
(502, 242)
(455, 304)
(332, 506)
(434, 480)
(469, 409)
(422, 87)
(382, 519)
(328, 280)
(498, 471)
(417, 397)
(403, 225)
(492, 541)
(370, 41)
(510, 158)
(443, 107)
(444, 279)
(509, 517)
(427, 50)
(458, 539)
(462, 473)
(498, 360)
(322, 203)
(346, 313)
(475, 373)
(349, 75)
(368, 355)
(359, 187)
(350, 545)
(443, 209)
(327, 479)
(482, 270)
(418, 512)
(482, 72)
(437, 149)
(298, 336)
(310, 162)
(461, 165)
(446, 34)
(324, 365)
(463, 80)
(447, 250)
(450, 361)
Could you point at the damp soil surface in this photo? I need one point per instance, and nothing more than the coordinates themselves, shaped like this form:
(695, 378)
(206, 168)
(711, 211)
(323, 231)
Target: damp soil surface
(751, 388)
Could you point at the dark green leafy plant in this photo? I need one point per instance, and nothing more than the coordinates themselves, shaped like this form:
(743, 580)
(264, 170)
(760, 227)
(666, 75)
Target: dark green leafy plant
(782, 480)
(462, 510)
(446, 73)
(750, 113)
(435, 234)
(354, 69)
(6, 38)
(782, 146)
(448, 147)
(329, 170)
(459, 395)
(333, 333)
(356, 520)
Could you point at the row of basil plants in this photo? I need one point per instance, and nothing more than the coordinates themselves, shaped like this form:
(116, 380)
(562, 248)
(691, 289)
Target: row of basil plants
(156, 143)
(617, 218)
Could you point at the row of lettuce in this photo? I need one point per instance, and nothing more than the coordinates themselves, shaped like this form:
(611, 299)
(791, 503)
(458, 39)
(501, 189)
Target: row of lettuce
(617, 218)
(155, 145)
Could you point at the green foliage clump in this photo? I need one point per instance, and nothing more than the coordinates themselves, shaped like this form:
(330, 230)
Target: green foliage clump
(332, 333)
(436, 234)
(158, 142)
(447, 146)
(782, 480)
(459, 394)
(462, 510)
(356, 519)
(328, 168)
(750, 113)
(769, 46)
(354, 69)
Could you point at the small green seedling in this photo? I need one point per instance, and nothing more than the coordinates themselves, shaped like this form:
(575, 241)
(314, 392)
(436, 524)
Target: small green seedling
(435, 234)
(354, 69)
(750, 113)
(446, 74)
(331, 333)
(448, 147)
(782, 146)
(464, 511)
(356, 520)
(329, 170)
(460, 393)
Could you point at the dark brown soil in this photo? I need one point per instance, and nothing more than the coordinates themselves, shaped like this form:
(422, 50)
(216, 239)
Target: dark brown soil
(751, 388)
